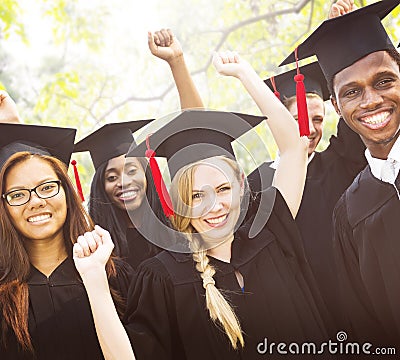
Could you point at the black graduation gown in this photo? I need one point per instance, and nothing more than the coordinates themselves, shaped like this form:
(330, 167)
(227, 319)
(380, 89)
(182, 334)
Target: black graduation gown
(139, 248)
(367, 250)
(60, 320)
(329, 174)
(166, 314)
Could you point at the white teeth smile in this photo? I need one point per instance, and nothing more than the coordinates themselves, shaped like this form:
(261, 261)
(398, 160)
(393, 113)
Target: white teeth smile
(376, 119)
(217, 220)
(128, 194)
(39, 218)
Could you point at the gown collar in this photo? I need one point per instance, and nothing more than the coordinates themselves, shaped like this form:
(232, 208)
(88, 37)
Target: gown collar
(63, 274)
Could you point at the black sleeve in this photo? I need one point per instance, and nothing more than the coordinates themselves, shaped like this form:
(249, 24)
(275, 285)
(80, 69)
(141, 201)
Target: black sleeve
(150, 319)
(284, 227)
(359, 312)
(119, 284)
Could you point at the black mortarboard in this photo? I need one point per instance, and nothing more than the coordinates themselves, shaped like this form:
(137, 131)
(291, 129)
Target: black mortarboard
(341, 41)
(110, 141)
(314, 82)
(196, 135)
(37, 139)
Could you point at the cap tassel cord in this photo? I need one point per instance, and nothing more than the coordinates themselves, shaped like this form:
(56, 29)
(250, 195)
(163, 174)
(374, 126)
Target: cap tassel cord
(302, 111)
(162, 191)
(276, 92)
(77, 180)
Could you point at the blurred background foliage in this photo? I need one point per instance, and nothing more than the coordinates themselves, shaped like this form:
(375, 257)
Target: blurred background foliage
(85, 63)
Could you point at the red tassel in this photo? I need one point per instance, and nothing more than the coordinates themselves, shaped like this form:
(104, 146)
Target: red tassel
(276, 92)
(162, 191)
(77, 181)
(302, 111)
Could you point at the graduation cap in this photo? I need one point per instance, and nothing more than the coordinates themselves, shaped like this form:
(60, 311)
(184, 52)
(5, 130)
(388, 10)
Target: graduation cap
(36, 139)
(341, 41)
(197, 135)
(110, 141)
(191, 136)
(314, 82)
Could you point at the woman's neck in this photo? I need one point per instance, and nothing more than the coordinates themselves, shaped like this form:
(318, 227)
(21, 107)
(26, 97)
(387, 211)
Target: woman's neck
(46, 255)
(133, 219)
(223, 251)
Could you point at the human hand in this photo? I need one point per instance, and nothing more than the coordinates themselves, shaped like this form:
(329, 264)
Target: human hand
(164, 45)
(8, 109)
(92, 250)
(341, 7)
(229, 63)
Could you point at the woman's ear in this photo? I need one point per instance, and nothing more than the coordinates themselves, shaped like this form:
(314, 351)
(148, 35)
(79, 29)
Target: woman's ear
(335, 105)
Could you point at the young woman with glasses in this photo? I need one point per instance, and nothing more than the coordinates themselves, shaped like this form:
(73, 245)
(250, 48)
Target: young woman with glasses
(41, 293)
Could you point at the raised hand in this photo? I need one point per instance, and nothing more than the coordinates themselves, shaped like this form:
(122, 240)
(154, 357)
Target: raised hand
(164, 45)
(229, 63)
(341, 7)
(284, 128)
(92, 250)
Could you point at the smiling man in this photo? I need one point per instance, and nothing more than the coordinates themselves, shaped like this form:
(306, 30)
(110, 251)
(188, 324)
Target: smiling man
(367, 94)
(361, 66)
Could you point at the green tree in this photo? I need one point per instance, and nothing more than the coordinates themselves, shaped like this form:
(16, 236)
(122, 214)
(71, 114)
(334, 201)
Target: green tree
(83, 64)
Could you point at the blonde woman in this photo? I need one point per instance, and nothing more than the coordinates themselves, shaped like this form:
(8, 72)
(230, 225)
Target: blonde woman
(231, 294)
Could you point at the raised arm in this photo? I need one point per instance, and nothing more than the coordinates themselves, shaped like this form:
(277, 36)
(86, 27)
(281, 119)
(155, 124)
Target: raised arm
(164, 45)
(91, 253)
(291, 172)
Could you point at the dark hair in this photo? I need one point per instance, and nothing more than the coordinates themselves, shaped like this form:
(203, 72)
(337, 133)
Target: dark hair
(107, 215)
(14, 260)
(393, 53)
(104, 213)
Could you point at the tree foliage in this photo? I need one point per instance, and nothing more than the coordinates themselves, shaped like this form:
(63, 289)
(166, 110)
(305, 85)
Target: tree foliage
(85, 63)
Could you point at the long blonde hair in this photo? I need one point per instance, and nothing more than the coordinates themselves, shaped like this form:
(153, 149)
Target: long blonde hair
(218, 307)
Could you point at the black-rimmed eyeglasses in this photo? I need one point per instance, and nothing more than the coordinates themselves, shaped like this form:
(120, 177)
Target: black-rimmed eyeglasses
(45, 190)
